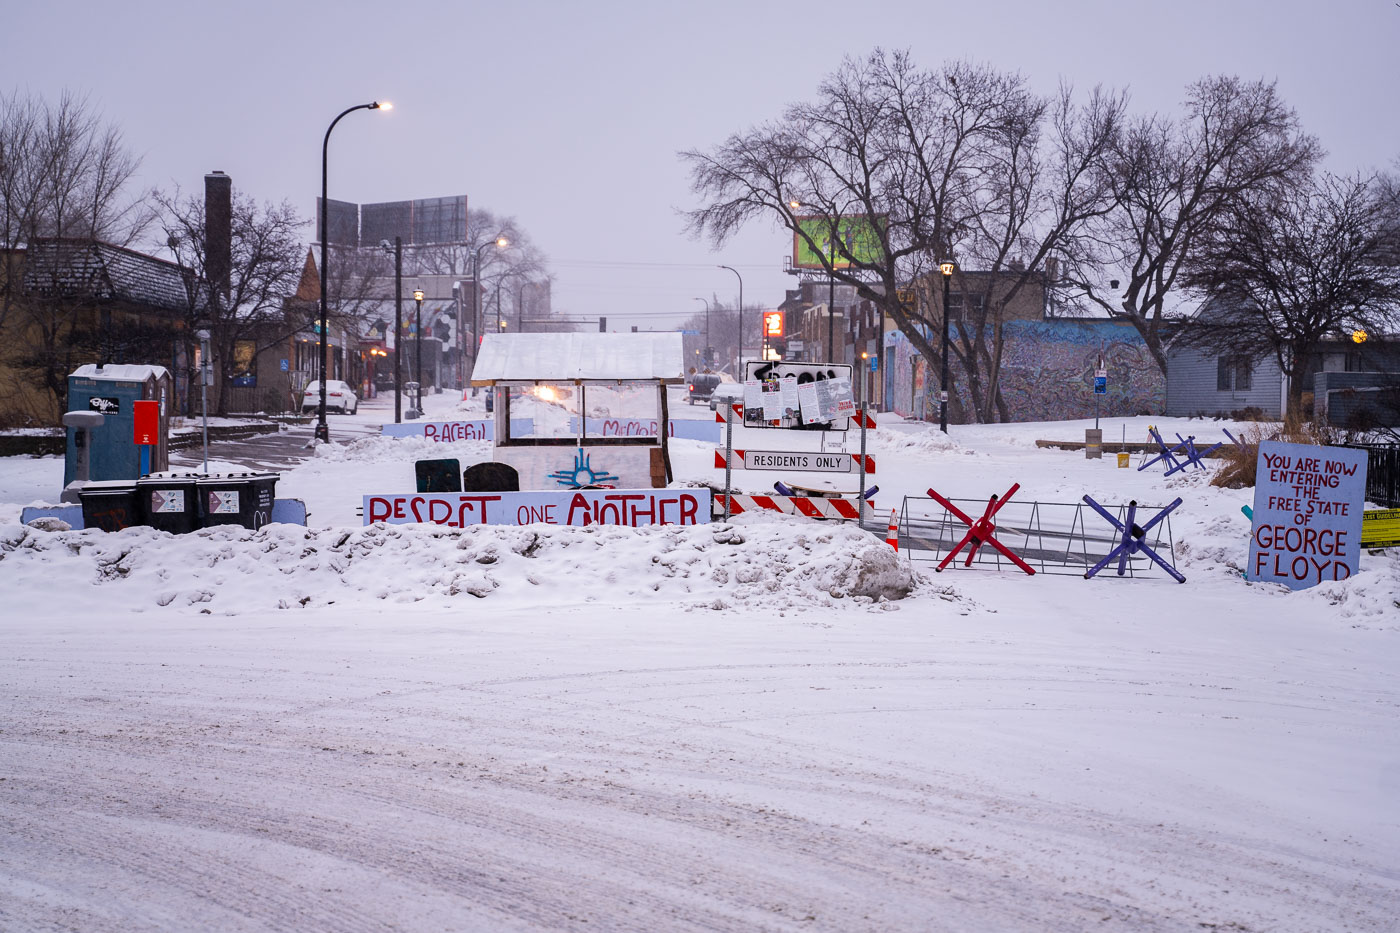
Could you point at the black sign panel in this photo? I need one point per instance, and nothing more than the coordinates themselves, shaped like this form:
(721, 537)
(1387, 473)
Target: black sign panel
(108, 406)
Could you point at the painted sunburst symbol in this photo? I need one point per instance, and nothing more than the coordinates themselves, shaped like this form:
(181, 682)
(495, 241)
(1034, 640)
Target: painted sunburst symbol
(582, 474)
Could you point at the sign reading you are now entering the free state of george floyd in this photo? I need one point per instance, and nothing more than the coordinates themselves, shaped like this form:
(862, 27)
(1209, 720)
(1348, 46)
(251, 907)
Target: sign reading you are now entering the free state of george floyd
(1307, 514)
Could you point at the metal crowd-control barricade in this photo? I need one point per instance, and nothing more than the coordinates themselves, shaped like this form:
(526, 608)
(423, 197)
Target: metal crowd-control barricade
(1051, 537)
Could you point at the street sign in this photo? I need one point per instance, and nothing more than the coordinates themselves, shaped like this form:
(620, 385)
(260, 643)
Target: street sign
(1100, 385)
(691, 333)
(805, 461)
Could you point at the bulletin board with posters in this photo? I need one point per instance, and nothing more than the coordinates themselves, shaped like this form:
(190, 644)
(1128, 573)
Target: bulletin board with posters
(798, 396)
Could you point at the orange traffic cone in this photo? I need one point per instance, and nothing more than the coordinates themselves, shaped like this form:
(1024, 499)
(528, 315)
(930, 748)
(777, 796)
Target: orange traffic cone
(892, 535)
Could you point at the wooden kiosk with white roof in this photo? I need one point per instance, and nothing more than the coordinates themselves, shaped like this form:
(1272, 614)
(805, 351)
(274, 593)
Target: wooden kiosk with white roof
(559, 398)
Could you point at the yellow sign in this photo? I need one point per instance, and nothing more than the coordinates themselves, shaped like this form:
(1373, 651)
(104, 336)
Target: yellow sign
(1380, 528)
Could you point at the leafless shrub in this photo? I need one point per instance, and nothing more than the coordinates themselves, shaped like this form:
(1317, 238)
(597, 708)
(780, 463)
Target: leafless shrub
(1241, 460)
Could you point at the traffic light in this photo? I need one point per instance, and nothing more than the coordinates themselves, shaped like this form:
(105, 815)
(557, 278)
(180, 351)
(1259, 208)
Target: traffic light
(602, 325)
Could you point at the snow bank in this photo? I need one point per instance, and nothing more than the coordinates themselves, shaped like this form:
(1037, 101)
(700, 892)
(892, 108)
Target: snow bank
(777, 565)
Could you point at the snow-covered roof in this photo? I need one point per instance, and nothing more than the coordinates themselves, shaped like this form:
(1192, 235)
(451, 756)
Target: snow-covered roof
(120, 372)
(64, 268)
(570, 357)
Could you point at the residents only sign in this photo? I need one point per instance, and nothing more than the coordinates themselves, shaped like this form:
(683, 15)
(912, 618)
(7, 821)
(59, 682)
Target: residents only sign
(806, 461)
(631, 508)
(1307, 514)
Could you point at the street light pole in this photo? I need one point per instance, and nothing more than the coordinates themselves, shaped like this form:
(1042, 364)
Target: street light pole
(398, 329)
(418, 343)
(501, 241)
(708, 346)
(740, 362)
(946, 268)
(323, 431)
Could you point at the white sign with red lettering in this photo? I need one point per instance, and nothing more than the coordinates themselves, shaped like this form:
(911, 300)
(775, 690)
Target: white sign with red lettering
(1307, 514)
(443, 431)
(630, 508)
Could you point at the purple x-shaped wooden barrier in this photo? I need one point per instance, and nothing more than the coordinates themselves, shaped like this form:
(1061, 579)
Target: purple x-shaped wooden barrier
(1134, 540)
(1187, 447)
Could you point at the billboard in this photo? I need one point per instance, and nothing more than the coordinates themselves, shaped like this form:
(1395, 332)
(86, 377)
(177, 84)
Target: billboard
(420, 222)
(343, 217)
(859, 238)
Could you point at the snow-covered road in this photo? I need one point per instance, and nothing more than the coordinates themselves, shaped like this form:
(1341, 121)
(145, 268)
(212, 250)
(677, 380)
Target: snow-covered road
(703, 729)
(942, 766)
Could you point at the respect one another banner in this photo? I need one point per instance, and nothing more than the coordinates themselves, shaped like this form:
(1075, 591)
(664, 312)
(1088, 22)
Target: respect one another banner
(1307, 514)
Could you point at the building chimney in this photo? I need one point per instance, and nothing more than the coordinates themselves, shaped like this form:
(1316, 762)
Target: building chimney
(218, 231)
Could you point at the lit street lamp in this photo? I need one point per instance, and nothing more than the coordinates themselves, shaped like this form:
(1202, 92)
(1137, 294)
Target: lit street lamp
(323, 431)
(946, 268)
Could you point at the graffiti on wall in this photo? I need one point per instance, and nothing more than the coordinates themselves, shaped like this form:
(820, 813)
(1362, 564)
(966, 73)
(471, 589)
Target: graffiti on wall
(1047, 373)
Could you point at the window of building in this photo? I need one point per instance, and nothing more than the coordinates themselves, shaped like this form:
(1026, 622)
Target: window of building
(960, 304)
(1224, 371)
(1233, 373)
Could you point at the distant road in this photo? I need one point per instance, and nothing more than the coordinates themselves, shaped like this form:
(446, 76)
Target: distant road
(275, 452)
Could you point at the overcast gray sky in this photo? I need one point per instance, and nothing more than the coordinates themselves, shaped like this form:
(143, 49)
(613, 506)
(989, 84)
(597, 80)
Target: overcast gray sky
(569, 115)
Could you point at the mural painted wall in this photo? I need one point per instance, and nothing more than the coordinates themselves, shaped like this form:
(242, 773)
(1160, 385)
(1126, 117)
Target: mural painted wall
(1047, 373)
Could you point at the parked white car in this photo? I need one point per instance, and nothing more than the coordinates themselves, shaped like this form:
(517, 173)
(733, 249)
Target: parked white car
(339, 396)
(726, 393)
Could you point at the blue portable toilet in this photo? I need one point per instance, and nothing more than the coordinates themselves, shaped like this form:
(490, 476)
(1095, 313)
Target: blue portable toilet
(112, 390)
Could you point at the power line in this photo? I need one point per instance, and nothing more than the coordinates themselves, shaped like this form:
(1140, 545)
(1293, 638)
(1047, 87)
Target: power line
(657, 265)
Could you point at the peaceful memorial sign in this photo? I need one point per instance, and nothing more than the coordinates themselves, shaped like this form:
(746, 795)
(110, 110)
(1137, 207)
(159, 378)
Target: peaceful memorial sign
(1307, 514)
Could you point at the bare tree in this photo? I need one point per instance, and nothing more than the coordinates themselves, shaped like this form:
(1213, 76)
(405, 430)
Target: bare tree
(63, 173)
(1287, 266)
(954, 160)
(267, 256)
(1171, 179)
(1038, 187)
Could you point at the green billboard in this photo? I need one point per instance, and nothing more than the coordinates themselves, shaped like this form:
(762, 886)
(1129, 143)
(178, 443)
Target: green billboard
(859, 238)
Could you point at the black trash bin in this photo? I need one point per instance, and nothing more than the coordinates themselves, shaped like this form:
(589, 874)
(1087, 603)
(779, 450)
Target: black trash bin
(236, 499)
(170, 503)
(438, 475)
(110, 505)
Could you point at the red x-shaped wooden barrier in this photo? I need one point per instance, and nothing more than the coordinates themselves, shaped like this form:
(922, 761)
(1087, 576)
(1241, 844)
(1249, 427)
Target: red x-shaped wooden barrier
(981, 531)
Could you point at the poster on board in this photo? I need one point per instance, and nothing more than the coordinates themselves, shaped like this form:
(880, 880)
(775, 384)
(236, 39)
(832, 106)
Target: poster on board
(821, 392)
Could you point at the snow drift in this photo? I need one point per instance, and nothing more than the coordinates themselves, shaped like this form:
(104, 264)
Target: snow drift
(773, 564)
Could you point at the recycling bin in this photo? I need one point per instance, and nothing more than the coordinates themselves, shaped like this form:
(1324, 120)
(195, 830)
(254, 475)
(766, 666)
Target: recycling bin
(110, 505)
(236, 499)
(169, 503)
